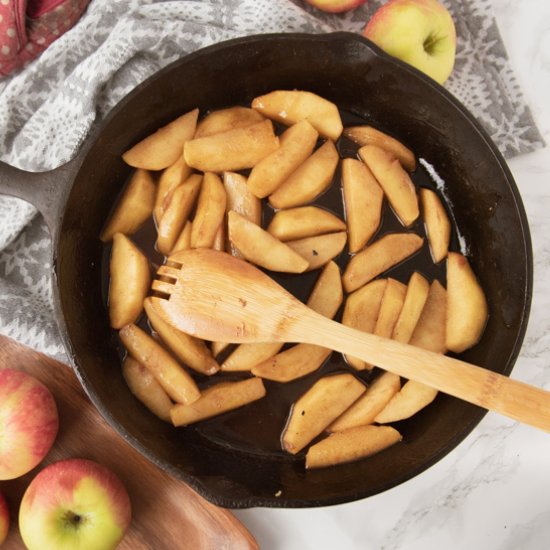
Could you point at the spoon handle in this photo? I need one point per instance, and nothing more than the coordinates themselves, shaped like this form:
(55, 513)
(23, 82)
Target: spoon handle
(482, 387)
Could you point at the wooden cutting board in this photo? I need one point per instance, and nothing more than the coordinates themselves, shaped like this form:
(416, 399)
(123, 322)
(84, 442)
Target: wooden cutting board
(167, 515)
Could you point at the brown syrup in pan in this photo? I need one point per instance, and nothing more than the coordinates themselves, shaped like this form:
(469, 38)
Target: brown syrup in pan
(257, 427)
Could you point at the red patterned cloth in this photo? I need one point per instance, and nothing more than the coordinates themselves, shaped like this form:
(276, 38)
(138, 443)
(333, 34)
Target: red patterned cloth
(28, 27)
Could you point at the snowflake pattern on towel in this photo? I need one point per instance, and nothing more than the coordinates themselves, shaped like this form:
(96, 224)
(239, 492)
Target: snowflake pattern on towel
(47, 109)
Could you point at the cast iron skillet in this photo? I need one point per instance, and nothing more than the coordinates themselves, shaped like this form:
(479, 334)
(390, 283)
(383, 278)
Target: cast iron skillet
(347, 69)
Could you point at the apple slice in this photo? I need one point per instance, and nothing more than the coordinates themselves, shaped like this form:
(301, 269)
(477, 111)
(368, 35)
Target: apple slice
(302, 222)
(133, 208)
(363, 199)
(189, 350)
(261, 248)
(219, 347)
(241, 200)
(184, 240)
(372, 402)
(218, 399)
(438, 226)
(325, 401)
(412, 397)
(296, 145)
(417, 294)
(210, 212)
(177, 208)
(161, 149)
(236, 149)
(175, 381)
(170, 178)
(293, 363)
(429, 332)
(467, 309)
(320, 249)
(291, 106)
(130, 280)
(361, 312)
(222, 120)
(386, 252)
(144, 387)
(309, 180)
(351, 445)
(220, 237)
(394, 180)
(246, 356)
(327, 294)
(367, 135)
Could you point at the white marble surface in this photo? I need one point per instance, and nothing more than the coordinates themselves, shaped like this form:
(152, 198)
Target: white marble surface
(491, 492)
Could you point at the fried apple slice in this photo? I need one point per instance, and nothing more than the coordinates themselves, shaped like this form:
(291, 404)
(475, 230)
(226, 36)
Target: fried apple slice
(241, 200)
(309, 180)
(292, 363)
(161, 149)
(325, 401)
(438, 226)
(133, 208)
(144, 387)
(370, 404)
(218, 347)
(220, 238)
(189, 350)
(170, 178)
(169, 374)
(261, 248)
(291, 106)
(412, 397)
(320, 249)
(351, 445)
(210, 212)
(429, 332)
(302, 222)
(394, 180)
(367, 135)
(184, 240)
(301, 359)
(386, 252)
(327, 294)
(246, 356)
(390, 308)
(296, 145)
(467, 309)
(361, 311)
(130, 280)
(177, 209)
(217, 400)
(363, 199)
(417, 294)
(233, 150)
(227, 119)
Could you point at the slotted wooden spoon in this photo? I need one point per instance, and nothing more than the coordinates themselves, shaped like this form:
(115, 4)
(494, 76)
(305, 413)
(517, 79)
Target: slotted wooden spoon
(215, 296)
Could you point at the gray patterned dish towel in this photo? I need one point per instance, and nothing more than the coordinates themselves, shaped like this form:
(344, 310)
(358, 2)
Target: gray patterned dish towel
(47, 109)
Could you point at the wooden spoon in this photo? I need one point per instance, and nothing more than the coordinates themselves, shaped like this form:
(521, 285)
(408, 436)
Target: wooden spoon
(215, 296)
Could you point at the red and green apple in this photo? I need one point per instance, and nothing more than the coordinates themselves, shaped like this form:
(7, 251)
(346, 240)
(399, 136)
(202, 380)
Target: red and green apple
(419, 32)
(4, 519)
(74, 503)
(28, 423)
(336, 6)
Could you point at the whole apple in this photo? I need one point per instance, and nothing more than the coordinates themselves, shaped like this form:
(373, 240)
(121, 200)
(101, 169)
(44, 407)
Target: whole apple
(336, 6)
(4, 519)
(419, 32)
(28, 423)
(74, 503)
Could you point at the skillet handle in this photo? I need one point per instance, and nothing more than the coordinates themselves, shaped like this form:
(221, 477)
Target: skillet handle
(47, 191)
